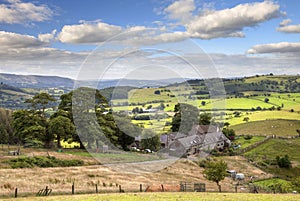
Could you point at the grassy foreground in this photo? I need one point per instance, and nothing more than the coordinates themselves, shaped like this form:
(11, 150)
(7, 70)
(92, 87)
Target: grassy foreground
(171, 196)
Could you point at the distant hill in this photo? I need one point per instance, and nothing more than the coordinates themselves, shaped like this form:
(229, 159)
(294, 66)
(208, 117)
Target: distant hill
(13, 97)
(10, 88)
(35, 81)
(258, 83)
(38, 81)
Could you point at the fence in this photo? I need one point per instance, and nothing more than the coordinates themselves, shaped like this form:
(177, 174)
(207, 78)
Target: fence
(184, 187)
(192, 187)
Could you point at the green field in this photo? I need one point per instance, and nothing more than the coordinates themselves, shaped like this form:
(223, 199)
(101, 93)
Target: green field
(171, 196)
(247, 142)
(277, 147)
(261, 115)
(279, 127)
(266, 153)
(116, 157)
(268, 185)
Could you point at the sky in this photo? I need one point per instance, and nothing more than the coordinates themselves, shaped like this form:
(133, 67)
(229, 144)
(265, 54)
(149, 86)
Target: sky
(149, 39)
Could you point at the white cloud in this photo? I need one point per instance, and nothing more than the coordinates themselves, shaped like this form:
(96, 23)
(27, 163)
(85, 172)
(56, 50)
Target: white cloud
(230, 22)
(15, 11)
(88, 33)
(181, 10)
(285, 22)
(48, 37)
(286, 28)
(98, 32)
(282, 47)
(9, 40)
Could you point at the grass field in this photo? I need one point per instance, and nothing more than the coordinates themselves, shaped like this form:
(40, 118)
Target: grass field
(260, 116)
(268, 127)
(245, 143)
(277, 147)
(172, 196)
(267, 152)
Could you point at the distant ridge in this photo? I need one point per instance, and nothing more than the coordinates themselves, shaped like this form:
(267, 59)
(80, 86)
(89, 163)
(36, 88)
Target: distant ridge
(39, 81)
(35, 81)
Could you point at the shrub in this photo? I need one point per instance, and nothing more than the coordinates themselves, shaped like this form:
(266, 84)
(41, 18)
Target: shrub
(283, 162)
(42, 161)
(247, 137)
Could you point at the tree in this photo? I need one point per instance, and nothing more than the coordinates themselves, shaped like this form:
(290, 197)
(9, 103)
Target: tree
(150, 140)
(298, 131)
(40, 102)
(6, 129)
(246, 119)
(226, 124)
(266, 100)
(28, 126)
(203, 103)
(62, 128)
(215, 171)
(205, 119)
(283, 162)
(229, 133)
(185, 117)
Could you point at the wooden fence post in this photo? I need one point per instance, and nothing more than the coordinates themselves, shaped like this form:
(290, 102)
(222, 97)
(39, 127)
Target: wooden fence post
(73, 189)
(141, 187)
(120, 188)
(97, 188)
(16, 192)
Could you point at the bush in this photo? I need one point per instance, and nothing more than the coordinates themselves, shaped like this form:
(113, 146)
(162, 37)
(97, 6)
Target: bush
(247, 137)
(42, 161)
(283, 162)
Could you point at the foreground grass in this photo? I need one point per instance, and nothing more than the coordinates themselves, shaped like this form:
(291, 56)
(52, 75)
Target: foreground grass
(171, 196)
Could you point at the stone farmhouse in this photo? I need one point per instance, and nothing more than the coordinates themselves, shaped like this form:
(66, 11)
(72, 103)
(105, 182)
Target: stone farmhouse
(201, 138)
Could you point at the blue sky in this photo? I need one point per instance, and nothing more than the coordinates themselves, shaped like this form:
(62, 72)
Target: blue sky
(107, 39)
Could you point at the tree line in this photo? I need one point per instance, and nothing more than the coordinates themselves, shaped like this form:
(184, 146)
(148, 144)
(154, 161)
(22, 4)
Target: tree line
(35, 127)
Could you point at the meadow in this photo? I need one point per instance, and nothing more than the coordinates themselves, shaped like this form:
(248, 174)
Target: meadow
(265, 156)
(278, 127)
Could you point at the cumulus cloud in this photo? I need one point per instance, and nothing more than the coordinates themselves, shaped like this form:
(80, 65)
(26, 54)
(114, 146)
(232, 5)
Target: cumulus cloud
(9, 40)
(230, 22)
(16, 11)
(181, 10)
(88, 33)
(48, 37)
(207, 24)
(285, 22)
(98, 32)
(282, 47)
(286, 28)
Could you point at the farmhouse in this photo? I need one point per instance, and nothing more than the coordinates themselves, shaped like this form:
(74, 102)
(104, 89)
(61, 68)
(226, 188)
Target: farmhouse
(200, 138)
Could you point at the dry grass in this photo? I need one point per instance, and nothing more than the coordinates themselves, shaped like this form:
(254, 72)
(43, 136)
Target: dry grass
(108, 179)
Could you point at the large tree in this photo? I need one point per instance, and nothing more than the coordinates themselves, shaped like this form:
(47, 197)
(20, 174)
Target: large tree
(215, 171)
(185, 117)
(40, 102)
(28, 126)
(62, 128)
(6, 129)
(96, 126)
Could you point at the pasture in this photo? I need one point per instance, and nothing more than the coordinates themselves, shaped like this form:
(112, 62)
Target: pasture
(278, 127)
